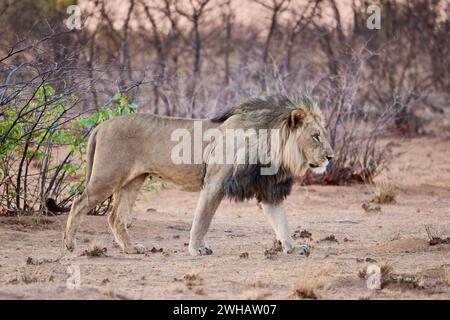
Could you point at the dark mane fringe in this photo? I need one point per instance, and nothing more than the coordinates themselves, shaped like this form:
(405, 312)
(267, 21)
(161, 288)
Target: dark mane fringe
(271, 103)
(224, 116)
(275, 105)
(246, 182)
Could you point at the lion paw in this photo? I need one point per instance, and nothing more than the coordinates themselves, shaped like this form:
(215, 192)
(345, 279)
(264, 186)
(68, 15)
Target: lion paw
(303, 250)
(137, 249)
(200, 251)
(140, 248)
(205, 251)
(70, 245)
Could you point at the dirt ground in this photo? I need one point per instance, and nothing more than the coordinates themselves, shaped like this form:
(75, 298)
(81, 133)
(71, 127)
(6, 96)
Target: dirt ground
(32, 263)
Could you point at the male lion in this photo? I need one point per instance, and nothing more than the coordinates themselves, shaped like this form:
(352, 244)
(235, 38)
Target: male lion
(124, 151)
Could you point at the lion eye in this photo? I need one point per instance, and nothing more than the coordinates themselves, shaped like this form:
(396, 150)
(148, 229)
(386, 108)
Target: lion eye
(316, 138)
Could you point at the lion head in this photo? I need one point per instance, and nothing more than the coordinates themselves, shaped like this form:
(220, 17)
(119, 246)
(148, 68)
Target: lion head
(304, 142)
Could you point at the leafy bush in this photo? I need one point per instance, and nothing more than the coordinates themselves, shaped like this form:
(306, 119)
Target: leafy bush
(42, 147)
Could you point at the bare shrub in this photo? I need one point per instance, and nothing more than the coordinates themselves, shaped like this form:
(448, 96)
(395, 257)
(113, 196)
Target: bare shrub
(354, 126)
(44, 129)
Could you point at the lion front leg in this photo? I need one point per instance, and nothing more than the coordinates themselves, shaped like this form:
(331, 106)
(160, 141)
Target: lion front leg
(207, 204)
(277, 218)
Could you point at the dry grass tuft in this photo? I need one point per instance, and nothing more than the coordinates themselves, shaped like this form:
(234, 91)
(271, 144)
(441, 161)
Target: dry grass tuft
(307, 285)
(445, 276)
(362, 273)
(166, 252)
(389, 278)
(33, 276)
(273, 250)
(95, 250)
(434, 237)
(276, 246)
(386, 271)
(193, 279)
(385, 191)
(36, 262)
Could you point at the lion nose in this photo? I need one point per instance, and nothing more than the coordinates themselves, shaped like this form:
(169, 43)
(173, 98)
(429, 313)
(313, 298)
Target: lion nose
(329, 157)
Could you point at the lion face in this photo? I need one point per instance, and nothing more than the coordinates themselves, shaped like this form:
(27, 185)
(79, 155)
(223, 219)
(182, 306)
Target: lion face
(306, 143)
(316, 147)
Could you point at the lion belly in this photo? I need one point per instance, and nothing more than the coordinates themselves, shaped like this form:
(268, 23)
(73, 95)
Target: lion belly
(127, 147)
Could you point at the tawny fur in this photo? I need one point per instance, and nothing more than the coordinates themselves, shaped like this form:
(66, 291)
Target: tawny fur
(124, 151)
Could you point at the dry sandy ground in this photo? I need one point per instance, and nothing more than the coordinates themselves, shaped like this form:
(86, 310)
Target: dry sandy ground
(395, 236)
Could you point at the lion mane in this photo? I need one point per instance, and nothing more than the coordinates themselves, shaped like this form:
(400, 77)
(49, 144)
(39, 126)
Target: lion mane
(245, 181)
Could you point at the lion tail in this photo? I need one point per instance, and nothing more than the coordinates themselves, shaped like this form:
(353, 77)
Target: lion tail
(50, 203)
(52, 206)
(92, 143)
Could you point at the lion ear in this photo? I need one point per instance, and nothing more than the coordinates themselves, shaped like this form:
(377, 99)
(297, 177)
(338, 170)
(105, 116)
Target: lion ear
(296, 118)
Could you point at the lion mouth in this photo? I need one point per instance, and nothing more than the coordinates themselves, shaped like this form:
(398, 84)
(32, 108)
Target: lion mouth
(318, 168)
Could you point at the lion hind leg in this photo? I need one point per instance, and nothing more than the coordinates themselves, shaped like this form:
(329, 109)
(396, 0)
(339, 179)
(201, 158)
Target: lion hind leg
(90, 198)
(123, 203)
